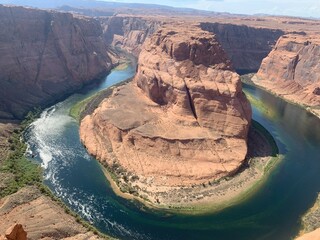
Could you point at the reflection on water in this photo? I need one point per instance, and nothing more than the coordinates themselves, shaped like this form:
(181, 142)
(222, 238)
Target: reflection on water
(272, 213)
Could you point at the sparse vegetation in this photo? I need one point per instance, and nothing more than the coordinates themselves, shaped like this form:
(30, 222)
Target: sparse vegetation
(122, 66)
(21, 171)
(79, 107)
(311, 220)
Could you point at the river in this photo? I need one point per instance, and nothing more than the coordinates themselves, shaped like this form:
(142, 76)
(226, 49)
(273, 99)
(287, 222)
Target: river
(273, 213)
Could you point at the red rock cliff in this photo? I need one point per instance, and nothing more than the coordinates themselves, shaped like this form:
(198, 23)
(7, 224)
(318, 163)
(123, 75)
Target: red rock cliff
(246, 46)
(45, 55)
(183, 120)
(128, 33)
(292, 70)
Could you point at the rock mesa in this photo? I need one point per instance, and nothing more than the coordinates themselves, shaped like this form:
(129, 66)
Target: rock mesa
(182, 121)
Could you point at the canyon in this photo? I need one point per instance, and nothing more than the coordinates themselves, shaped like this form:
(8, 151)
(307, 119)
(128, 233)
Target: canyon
(245, 45)
(66, 51)
(183, 121)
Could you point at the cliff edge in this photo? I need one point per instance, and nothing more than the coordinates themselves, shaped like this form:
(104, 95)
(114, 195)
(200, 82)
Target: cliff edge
(292, 70)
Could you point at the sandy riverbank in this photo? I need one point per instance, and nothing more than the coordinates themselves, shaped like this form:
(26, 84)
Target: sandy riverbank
(311, 222)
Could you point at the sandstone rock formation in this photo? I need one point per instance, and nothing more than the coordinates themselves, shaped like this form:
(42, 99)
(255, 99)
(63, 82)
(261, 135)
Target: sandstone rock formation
(246, 46)
(182, 121)
(128, 33)
(292, 70)
(40, 216)
(46, 55)
(16, 232)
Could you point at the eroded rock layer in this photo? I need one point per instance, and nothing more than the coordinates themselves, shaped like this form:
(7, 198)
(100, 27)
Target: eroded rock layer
(292, 70)
(128, 33)
(246, 46)
(183, 120)
(45, 55)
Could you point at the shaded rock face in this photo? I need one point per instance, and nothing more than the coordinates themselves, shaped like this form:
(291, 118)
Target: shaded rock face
(292, 69)
(316, 91)
(46, 55)
(128, 33)
(245, 46)
(16, 232)
(183, 120)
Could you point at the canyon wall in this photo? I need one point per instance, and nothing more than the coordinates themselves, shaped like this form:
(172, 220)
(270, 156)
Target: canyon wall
(292, 70)
(183, 120)
(246, 46)
(46, 55)
(128, 33)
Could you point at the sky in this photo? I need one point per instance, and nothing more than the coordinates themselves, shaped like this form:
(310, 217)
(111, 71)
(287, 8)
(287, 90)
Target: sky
(302, 8)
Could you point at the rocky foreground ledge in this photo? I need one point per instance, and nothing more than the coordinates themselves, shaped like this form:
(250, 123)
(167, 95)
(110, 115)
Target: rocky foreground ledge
(182, 122)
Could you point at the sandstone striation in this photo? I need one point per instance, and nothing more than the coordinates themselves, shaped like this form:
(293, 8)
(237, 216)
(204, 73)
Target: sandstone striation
(246, 46)
(46, 55)
(292, 70)
(183, 120)
(128, 33)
